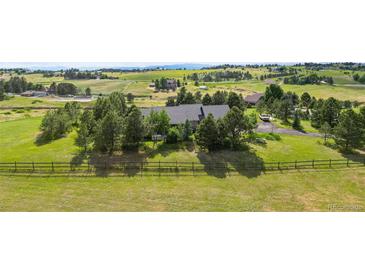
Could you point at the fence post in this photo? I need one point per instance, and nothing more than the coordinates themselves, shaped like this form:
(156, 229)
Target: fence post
(15, 166)
(330, 163)
(33, 165)
(279, 165)
(347, 162)
(159, 168)
(88, 165)
(312, 163)
(192, 167)
(177, 169)
(52, 167)
(226, 165)
(295, 164)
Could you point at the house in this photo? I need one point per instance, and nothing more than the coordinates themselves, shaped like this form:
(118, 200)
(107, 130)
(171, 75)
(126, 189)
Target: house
(192, 112)
(171, 84)
(253, 99)
(34, 93)
(203, 87)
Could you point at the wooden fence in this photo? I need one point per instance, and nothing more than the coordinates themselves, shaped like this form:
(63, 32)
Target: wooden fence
(172, 168)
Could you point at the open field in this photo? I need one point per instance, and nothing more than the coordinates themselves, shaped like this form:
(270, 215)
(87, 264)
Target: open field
(298, 191)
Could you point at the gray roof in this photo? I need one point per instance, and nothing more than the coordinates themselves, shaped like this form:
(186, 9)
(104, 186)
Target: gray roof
(218, 111)
(254, 98)
(193, 112)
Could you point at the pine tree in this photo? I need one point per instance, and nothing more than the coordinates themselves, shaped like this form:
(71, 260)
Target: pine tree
(207, 100)
(109, 133)
(207, 133)
(83, 139)
(325, 130)
(348, 132)
(133, 130)
(296, 122)
(187, 130)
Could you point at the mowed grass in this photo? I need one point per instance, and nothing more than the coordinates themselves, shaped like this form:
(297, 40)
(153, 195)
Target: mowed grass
(286, 191)
(18, 143)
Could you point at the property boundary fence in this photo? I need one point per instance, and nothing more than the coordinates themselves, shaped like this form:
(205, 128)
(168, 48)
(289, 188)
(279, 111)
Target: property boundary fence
(172, 168)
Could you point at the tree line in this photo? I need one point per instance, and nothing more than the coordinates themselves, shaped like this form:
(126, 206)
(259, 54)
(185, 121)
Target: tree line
(218, 98)
(75, 74)
(335, 66)
(331, 116)
(18, 85)
(218, 76)
(358, 78)
(310, 79)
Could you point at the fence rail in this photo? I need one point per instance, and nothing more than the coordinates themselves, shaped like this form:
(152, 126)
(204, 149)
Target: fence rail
(163, 167)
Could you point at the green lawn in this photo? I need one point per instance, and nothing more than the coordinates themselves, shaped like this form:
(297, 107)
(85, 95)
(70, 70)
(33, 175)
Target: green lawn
(299, 191)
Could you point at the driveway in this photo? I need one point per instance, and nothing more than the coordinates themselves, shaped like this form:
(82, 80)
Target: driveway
(267, 127)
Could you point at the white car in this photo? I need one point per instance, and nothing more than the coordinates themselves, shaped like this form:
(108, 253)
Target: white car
(265, 117)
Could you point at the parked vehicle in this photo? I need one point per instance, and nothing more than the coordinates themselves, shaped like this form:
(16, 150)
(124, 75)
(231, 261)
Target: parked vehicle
(265, 117)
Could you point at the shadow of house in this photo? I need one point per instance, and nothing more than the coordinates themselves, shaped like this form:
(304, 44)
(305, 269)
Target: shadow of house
(220, 163)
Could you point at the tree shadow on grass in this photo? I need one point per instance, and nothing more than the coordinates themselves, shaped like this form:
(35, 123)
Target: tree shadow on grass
(220, 163)
(79, 158)
(129, 162)
(356, 156)
(164, 149)
(42, 139)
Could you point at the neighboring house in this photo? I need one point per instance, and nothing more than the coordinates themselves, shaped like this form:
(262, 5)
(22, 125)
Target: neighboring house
(203, 87)
(171, 84)
(253, 99)
(34, 93)
(194, 112)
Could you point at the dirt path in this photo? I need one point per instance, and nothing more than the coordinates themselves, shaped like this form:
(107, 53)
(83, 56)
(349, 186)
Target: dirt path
(267, 127)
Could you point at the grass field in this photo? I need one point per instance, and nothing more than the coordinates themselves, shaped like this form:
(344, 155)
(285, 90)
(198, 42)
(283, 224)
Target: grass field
(299, 191)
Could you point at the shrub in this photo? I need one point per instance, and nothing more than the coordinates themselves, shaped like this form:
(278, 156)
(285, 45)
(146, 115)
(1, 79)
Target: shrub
(173, 135)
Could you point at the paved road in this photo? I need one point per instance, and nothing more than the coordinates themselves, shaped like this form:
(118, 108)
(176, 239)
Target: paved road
(267, 127)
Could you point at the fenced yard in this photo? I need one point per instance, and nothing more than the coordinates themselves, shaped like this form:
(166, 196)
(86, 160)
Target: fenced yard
(161, 168)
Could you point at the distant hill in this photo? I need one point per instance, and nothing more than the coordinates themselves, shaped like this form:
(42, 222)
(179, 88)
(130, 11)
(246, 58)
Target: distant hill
(95, 66)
